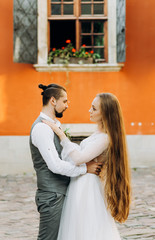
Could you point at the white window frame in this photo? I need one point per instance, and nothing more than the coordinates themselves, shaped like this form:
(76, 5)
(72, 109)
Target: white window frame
(42, 66)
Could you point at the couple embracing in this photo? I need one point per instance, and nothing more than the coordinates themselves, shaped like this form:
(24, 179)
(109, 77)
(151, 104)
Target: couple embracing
(81, 189)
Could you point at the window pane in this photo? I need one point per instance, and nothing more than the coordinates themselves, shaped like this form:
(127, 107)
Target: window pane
(98, 27)
(68, 9)
(98, 41)
(86, 27)
(88, 49)
(85, 0)
(86, 9)
(99, 0)
(58, 38)
(100, 51)
(86, 40)
(68, 0)
(56, 9)
(55, 0)
(98, 9)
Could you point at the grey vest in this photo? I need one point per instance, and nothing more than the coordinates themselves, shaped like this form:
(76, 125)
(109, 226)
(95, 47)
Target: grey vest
(47, 180)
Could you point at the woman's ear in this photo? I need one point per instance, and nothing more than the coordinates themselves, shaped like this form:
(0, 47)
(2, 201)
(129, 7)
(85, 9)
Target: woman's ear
(53, 101)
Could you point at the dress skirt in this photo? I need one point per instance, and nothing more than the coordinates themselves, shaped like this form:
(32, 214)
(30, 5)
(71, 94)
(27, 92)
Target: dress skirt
(84, 215)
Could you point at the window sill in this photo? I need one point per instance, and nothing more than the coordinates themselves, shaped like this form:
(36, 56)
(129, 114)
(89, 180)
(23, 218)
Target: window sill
(104, 67)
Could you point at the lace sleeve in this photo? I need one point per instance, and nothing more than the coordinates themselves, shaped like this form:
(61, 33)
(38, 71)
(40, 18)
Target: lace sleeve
(68, 147)
(91, 149)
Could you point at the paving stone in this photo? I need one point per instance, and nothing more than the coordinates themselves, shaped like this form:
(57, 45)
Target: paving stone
(19, 218)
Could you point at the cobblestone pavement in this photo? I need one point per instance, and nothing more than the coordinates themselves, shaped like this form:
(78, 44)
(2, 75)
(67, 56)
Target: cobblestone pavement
(19, 218)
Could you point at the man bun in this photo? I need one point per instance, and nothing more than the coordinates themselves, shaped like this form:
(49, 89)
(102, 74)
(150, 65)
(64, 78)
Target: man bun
(43, 87)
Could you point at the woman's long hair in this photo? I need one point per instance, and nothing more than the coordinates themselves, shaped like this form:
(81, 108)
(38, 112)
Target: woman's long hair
(116, 170)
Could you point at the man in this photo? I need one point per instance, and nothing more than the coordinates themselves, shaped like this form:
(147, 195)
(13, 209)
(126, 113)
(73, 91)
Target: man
(52, 172)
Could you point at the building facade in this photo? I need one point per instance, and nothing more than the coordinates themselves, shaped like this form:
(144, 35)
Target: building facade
(126, 69)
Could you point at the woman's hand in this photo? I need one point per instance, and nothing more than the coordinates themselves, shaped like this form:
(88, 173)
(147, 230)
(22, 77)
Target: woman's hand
(56, 129)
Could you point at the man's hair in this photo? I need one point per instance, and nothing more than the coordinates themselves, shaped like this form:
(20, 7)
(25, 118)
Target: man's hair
(52, 90)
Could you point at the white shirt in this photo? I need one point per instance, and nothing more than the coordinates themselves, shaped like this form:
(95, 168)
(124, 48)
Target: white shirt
(43, 138)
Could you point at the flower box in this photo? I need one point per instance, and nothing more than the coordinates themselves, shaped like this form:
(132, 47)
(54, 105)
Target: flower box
(72, 60)
(69, 55)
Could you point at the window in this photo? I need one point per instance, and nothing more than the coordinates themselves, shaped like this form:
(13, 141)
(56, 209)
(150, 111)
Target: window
(84, 22)
(41, 24)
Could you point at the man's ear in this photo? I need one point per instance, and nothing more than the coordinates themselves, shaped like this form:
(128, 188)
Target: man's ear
(53, 101)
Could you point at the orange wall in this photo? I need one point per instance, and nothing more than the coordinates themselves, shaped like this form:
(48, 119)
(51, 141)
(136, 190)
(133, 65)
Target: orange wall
(20, 99)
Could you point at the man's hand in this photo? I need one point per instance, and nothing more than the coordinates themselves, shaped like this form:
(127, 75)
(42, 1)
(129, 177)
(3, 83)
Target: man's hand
(94, 167)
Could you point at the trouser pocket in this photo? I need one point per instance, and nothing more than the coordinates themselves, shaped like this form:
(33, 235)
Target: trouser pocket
(44, 200)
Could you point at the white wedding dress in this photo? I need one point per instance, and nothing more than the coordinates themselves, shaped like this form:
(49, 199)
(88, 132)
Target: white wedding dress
(84, 214)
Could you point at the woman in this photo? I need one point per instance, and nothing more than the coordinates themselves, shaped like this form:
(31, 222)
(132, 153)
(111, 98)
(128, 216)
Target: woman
(92, 203)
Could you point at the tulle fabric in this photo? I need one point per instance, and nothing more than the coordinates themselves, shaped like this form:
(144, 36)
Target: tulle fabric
(84, 214)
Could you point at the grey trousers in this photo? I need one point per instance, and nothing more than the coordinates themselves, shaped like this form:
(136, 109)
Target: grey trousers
(49, 206)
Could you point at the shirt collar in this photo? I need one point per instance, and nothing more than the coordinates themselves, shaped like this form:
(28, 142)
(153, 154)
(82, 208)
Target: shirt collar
(43, 115)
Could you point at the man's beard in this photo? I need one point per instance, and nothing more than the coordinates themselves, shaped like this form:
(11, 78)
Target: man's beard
(58, 115)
